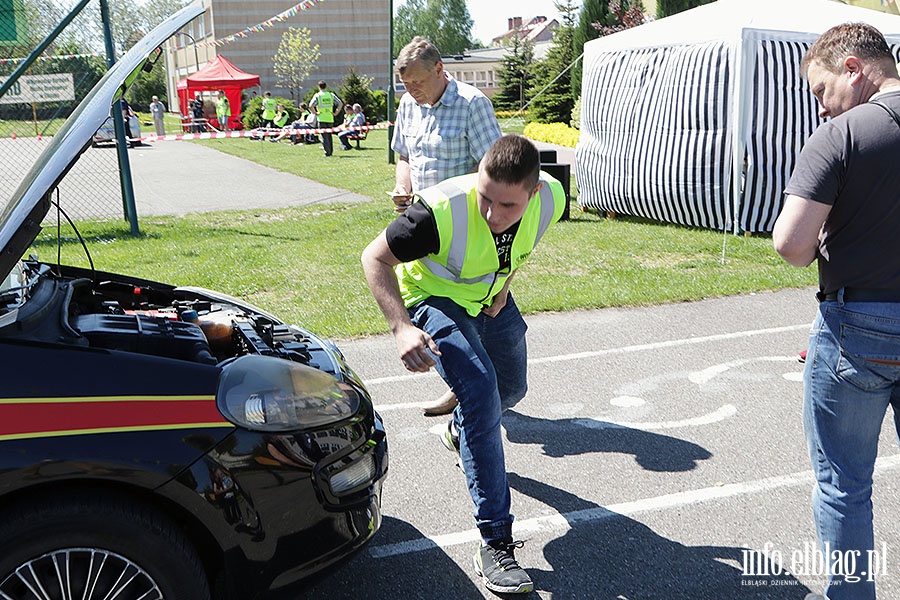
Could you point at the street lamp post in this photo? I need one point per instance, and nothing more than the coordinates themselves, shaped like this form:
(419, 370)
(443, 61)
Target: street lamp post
(194, 44)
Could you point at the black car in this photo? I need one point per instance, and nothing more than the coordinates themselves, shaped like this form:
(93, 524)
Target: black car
(161, 442)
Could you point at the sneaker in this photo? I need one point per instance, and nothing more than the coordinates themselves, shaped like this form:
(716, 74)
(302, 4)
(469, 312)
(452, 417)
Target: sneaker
(497, 565)
(450, 437)
(801, 358)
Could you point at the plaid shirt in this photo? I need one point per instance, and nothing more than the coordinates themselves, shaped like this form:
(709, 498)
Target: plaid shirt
(448, 138)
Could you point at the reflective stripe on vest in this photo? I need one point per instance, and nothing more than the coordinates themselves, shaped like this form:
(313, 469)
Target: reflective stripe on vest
(459, 208)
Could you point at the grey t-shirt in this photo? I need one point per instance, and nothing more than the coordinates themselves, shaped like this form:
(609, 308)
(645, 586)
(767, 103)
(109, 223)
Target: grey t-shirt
(852, 162)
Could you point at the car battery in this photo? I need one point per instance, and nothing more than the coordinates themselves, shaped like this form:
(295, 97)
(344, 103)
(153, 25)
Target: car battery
(156, 335)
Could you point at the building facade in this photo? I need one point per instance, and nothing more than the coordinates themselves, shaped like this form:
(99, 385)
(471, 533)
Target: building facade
(349, 33)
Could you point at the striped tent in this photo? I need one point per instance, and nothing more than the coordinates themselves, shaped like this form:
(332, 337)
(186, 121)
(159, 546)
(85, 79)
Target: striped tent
(697, 118)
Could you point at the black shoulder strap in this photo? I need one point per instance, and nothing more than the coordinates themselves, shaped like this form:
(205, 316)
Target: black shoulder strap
(890, 111)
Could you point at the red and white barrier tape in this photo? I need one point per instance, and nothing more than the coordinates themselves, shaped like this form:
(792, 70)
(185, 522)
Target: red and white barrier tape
(260, 133)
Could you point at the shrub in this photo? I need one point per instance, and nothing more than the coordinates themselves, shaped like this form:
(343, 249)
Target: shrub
(552, 133)
(252, 116)
(576, 114)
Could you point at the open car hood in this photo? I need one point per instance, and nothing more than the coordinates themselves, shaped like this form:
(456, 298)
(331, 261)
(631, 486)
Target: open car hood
(20, 221)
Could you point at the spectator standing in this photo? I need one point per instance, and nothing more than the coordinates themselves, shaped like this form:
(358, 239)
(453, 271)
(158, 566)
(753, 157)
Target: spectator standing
(197, 114)
(356, 119)
(268, 110)
(326, 106)
(470, 328)
(443, 128)
(223, 110)
(158, 114)
(841, 211)
(127, 113)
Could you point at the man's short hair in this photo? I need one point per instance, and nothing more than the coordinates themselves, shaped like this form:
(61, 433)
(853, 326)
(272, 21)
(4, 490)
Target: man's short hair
(418, 50)
(322, 85)
(357, 108)
(513, 160)
(857, 39)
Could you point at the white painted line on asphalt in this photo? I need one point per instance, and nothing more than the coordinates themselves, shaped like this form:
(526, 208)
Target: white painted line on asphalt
(722, 413)
(564, 522)
(593, 354)
(668, 344)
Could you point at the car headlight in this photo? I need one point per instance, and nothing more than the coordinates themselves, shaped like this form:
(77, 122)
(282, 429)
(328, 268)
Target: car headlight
(263, 393)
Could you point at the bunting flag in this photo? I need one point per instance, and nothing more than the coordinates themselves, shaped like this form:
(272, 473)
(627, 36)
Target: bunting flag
(291, 12)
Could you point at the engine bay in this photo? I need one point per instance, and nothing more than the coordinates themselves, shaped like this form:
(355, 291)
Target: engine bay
(102, 310)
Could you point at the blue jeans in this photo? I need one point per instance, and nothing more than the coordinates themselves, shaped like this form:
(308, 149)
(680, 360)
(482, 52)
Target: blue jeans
(852, 375)
(484, 361)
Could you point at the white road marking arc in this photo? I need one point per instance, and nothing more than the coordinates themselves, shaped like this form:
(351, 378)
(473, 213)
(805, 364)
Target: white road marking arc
(593, 354)
(722, 413)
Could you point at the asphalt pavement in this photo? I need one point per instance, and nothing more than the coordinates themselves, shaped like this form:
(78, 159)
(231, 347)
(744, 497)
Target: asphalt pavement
(658, 455)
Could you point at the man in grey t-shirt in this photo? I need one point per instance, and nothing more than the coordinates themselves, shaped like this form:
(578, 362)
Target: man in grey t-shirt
(842, 209)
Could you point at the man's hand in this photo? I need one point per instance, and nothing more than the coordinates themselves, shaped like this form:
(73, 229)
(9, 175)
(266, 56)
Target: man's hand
(500, 299)
(401, 197)
(413, 344)
(497, 305)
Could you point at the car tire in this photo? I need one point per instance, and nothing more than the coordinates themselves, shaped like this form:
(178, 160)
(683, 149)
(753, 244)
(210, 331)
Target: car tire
(64, 542)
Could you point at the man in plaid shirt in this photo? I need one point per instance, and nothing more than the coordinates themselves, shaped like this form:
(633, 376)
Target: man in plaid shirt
(443, 128)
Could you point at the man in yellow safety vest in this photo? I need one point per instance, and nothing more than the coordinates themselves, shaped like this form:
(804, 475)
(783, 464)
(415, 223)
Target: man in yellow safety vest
(440, 273)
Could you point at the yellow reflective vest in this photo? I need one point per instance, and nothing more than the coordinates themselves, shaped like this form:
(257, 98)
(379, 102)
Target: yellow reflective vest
(268, 106)
(325, 106)
(466, 268)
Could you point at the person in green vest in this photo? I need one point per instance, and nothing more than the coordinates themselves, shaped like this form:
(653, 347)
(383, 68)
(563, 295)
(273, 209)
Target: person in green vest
(326, 106)
(441, 273)
(268, 110)
(280, 120)
(223, 110)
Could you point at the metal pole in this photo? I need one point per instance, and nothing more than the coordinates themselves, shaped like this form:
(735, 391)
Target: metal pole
(121, 145)
(194, 44)
(390, 95)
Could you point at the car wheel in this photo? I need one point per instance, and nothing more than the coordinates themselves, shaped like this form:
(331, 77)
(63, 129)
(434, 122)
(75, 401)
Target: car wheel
(84, 548)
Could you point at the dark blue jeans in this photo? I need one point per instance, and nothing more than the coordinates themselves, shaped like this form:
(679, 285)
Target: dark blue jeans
(484, 361)
(852, 376)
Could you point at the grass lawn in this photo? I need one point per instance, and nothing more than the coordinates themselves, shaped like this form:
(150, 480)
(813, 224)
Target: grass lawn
(303, 264)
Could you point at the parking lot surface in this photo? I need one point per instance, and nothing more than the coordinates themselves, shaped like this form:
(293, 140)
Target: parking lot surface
(658, 455)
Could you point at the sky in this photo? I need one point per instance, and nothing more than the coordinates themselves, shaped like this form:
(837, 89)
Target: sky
(490, 16)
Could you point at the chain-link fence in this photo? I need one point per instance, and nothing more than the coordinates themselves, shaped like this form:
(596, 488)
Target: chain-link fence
(40, 101)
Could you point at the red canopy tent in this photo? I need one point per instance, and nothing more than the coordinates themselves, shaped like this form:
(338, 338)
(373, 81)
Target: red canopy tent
(217, 74)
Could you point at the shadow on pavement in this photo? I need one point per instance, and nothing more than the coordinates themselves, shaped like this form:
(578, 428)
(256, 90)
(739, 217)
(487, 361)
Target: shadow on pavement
(617, 557)
(566, 437)
(424, 574)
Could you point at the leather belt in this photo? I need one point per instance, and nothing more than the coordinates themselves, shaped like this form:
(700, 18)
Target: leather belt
(861, 295)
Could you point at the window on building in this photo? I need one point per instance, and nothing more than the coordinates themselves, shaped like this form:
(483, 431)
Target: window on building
(201, 26)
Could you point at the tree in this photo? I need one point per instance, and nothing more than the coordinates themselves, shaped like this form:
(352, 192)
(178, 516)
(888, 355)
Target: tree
(355, 89)
(446, 23)
(295, 59)
(515, 77)
(551, 90)
(665, 8)
(624, 15)
(592, 12)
